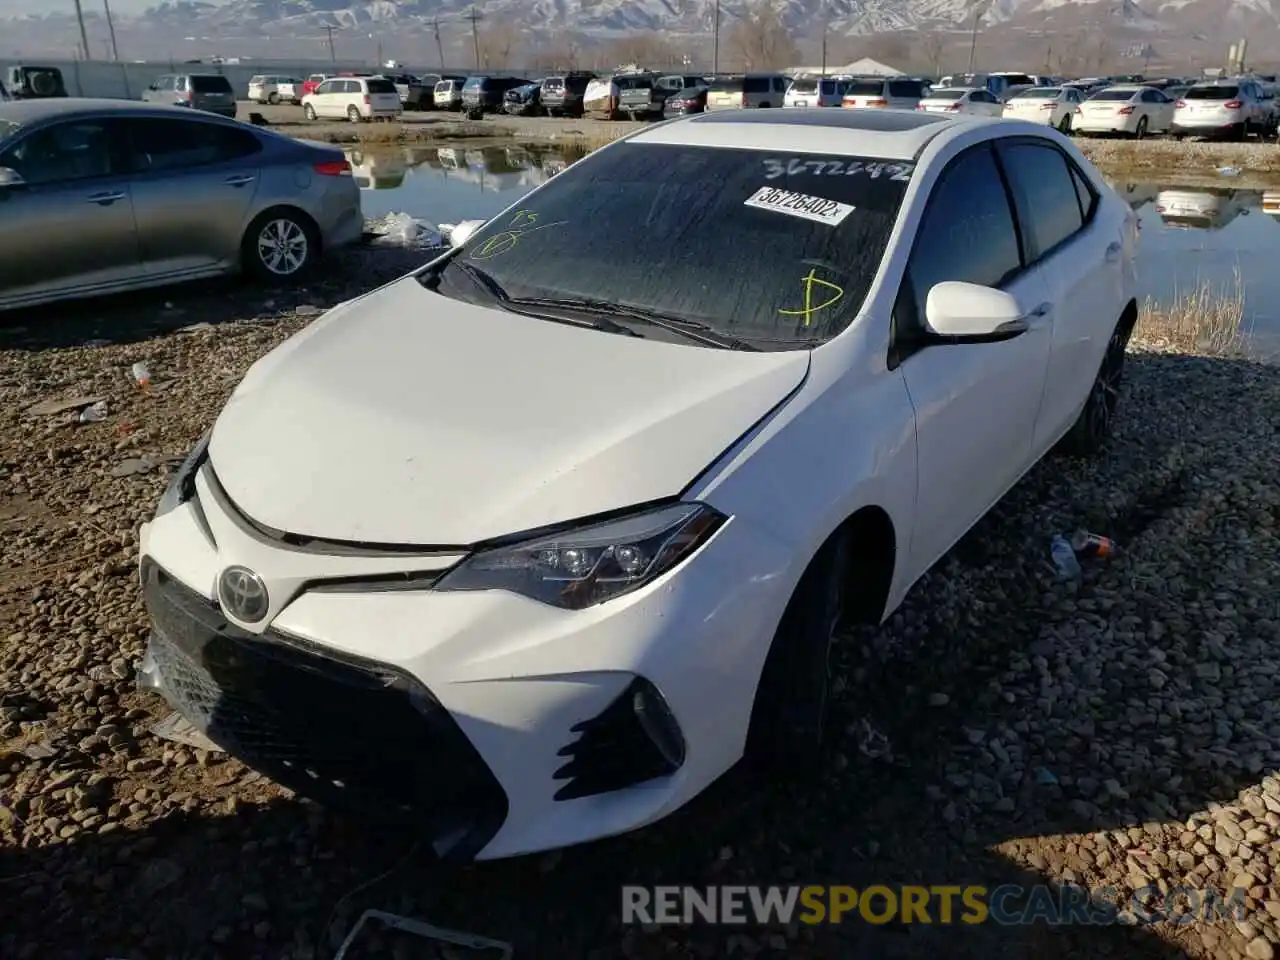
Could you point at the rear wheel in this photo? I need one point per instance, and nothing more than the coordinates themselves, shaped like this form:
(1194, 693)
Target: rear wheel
(1092, 428)
(280, 244)
(1065, 126)
(309, 112)
(1141, 132)
(273, 99)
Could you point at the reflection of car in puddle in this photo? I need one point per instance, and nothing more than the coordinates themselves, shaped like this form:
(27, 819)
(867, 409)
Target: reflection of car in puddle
(377, 171)
(1271, 203)
(499, 168)
(1134, 194)
(1205, 208)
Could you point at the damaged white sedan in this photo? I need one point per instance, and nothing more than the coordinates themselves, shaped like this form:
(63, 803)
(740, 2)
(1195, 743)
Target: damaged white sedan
(529, 547)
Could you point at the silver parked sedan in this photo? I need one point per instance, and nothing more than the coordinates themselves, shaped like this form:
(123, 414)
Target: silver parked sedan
(101, 196)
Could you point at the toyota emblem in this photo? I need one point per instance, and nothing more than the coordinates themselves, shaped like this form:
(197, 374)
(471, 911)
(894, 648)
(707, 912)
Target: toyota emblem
(243, 594)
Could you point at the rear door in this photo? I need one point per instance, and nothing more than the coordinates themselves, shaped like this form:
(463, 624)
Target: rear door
(193, 186)
(1079, 258)
(70, 226)
(214, 93)
(725, 95)
(904, 94)
(383, 97)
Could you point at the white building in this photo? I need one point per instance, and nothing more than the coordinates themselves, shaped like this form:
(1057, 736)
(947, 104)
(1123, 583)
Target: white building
(865, 67)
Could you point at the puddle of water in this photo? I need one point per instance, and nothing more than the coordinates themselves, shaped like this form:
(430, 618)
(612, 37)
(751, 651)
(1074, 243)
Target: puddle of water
(1225, 237)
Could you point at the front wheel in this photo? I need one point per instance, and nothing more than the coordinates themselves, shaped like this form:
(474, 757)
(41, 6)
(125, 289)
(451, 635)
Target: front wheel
(788, 721)
(309, 112)
(1065, 126)
(1089, 433)
(273, 99)
(280, 245)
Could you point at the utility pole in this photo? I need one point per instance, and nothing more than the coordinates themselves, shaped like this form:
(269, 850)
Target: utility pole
(328, 29)
(715, 40)
(475, 34)
(84, 34)
(111, 29)
(435, 26)
(973, 37)
(825, 26)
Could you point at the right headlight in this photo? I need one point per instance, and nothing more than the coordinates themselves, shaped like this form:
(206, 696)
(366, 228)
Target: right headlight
(589, 565)
(182, 481)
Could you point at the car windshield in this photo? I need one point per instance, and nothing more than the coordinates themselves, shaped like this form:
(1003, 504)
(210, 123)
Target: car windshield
(778, 250)
(1212, 93)
(210, 84)
(1038, 93)
(945, 94)
(865, 88)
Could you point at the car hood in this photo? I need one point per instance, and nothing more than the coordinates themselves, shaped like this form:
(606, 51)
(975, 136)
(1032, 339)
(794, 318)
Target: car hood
(405, 417)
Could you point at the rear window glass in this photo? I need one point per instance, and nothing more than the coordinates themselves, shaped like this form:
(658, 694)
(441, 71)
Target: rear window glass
(945, 94)
(210, 85)
(726, 86)
(1015, 79)
(757, 85)
(1038, 93)
(577, 84)
(905, 88)
(553, 84)
(474, 83)
(865, 88)
(444, 86)
(808, 234)
(381, 86)
(1212, 93)
(1116, 95)
(805, 86)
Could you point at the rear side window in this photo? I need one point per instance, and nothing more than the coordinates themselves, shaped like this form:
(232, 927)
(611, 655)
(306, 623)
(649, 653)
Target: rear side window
(159, 145)
(210, 85)
(381, 86)
(756, 85)
(1212, 93)
(1044, 195)
(577, 84)
(966, 234)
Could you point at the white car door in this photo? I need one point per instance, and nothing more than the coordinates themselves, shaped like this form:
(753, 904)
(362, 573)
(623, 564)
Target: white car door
(1079, 251)
(976, 404)
(1164, 108)
(988, 104)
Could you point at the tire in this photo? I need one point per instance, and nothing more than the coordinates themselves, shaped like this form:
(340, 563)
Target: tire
(788, 719)
(1088, 435)
(309, 111)
(1141, 132)
(1177, 137)
(273, 98)
(280, 244)
(353, 114)
(1064, 127)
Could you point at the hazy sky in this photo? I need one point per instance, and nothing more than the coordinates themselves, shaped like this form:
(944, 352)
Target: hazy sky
(13, 7)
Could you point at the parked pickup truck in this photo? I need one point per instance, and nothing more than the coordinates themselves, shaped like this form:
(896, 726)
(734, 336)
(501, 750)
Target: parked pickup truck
(644, 95)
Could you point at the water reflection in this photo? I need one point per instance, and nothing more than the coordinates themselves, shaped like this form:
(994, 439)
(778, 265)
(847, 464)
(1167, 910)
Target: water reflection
(1205, 208)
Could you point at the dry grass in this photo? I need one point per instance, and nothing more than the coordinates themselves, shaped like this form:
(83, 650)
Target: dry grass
(1206, 320)
(1155, 157)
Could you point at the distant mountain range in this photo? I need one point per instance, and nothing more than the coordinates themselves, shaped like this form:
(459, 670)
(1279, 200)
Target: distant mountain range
(1205, 21)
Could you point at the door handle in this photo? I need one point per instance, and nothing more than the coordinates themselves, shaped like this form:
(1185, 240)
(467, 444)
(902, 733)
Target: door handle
(239, 181)
(1113, 251)
(105, 199)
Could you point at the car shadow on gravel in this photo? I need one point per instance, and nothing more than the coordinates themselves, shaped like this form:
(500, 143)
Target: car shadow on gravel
(146, 314)
(1000, 729)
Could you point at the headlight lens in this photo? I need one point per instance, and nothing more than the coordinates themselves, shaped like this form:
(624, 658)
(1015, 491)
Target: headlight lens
(181, 482)
(583, 567)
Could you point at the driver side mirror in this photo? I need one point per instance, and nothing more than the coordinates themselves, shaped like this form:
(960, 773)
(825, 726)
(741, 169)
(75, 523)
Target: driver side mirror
(971, 313)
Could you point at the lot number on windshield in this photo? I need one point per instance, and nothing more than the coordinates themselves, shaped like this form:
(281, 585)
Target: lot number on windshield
(817, 209)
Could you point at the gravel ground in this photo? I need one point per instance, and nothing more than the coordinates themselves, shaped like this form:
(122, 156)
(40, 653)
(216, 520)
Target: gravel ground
(1002, 728)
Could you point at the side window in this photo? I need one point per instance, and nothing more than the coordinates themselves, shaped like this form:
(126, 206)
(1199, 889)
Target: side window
(1043, 194)
(1084, 193)
(779, 85)
(160, 145)
(966, 234)
(64, 153)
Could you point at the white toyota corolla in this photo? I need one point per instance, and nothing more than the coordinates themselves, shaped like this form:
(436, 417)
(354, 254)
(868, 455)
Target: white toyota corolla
(532, 545)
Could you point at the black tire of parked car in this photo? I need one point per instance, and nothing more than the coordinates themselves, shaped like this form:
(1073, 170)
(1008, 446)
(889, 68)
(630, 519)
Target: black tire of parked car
(788, 719)
(291, 222)
(1089, 433)
(1065, 126)
(273, 98)
(309, 112)
(1141, 132)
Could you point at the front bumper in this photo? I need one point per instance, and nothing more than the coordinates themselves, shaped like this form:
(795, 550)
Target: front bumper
(517, 684)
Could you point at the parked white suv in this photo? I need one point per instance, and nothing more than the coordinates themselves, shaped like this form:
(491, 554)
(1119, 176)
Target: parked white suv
(1225, 109)
(815, 92)
(897, 93)
(355, 98)
(449, 557)
(274, 89)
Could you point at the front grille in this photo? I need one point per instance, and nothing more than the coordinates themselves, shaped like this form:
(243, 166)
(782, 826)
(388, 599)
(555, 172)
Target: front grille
(634, 739)
(348, 733)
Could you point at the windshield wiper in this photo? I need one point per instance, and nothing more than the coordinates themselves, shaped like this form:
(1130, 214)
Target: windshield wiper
(691, 329)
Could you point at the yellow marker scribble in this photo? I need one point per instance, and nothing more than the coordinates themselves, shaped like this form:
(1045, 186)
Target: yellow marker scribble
(809, 281)
(519, 225)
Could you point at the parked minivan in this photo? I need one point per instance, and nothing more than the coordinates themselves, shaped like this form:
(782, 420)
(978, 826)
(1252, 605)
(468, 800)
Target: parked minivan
(210, 92)
(895, 93)
(816, 92)
(747, 91)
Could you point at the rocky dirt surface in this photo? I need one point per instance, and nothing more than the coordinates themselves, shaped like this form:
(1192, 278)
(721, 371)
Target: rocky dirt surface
(1002, 727)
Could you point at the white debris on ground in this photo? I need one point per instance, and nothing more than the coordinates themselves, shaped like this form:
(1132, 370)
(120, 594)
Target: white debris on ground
(402, 230)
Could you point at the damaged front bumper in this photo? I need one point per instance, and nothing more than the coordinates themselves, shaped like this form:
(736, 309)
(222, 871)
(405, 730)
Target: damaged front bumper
(351, 734)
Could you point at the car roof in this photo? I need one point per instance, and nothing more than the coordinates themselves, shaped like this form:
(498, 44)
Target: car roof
(27, 112)
(889, 134)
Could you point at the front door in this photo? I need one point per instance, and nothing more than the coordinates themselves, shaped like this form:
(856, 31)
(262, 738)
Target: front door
(191, 172)
(68, 226)
(976, 405)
